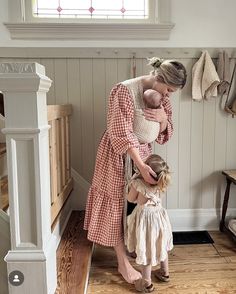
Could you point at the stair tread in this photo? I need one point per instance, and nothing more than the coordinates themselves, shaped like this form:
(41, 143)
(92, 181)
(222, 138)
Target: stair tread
(2, 148)
(74, 257)
(4, 201)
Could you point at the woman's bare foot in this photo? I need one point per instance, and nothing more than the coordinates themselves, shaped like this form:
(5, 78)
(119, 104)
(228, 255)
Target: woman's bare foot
(124, 266)
(128, 272)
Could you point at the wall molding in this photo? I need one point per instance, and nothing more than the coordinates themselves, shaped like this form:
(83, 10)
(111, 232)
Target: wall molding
(90, 31)
(90, 52)
(197, 219)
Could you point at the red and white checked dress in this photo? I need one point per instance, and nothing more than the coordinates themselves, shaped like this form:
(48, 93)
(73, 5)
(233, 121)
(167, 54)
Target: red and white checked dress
(105, 203)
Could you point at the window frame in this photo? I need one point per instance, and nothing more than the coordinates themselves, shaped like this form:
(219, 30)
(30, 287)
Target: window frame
(23, 25)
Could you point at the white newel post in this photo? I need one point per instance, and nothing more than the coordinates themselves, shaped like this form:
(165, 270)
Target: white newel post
(31, 262)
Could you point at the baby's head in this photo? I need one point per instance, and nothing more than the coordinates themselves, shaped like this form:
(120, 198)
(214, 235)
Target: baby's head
(152, 98)
(160, 167)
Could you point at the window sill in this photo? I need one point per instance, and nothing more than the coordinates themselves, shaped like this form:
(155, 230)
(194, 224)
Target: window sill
(82, 31)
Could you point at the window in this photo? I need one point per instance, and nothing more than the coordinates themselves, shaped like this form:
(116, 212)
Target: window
(91, 20)
(91, 9)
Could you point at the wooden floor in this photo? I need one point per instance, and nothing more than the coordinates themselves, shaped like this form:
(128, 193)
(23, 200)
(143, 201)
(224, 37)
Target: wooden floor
(73, 257)
(194, 269)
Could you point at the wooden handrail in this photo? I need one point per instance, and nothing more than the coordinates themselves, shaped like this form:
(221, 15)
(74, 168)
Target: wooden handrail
(59, 111)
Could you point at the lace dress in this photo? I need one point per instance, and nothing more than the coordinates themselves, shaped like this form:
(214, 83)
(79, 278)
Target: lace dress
(149, 231)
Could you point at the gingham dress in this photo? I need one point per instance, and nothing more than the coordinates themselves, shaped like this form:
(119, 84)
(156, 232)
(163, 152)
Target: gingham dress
(105, 203)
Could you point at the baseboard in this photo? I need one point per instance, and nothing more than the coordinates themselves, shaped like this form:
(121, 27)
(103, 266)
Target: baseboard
(197, 219)
(181, 219)
(80, 191)
(62, 222)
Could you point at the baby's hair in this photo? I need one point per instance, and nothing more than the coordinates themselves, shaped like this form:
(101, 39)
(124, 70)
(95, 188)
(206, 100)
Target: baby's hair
(160, 167)
(170, 72)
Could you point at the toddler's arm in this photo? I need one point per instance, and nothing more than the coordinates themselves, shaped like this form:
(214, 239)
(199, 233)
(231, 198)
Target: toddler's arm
(133, 195)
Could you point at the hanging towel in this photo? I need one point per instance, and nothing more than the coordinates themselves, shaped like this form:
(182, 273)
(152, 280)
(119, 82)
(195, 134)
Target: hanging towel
(223, 70)
(204, 78)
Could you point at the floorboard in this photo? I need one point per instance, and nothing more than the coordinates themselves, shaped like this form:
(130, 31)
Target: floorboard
(194, 269)
(73, 257)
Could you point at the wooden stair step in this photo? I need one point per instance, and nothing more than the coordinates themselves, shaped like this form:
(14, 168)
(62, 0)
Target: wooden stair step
(2, 149)
(4, 201)
(74, 257)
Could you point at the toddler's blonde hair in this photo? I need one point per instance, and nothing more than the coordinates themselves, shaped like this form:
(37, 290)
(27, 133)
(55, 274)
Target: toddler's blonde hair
(160, 167)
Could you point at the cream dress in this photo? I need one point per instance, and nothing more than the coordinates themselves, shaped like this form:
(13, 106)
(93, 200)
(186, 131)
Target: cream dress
(149, 231)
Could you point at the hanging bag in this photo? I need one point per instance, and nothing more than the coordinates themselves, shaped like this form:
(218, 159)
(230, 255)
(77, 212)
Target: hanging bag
(231, 107)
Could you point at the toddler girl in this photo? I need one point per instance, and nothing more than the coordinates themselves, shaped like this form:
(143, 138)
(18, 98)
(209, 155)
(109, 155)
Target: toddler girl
(149, 231)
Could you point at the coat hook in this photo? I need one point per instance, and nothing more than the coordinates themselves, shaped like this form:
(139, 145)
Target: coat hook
(98, 52)
(115, 51)
(150, 52)
(168, 52)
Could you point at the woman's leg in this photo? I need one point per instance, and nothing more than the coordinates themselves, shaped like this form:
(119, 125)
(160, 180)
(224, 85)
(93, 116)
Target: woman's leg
(124, 266)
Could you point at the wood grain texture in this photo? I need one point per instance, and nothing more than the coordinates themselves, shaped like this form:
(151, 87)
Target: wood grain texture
(4, 201)
(73, 257)
(194, 269)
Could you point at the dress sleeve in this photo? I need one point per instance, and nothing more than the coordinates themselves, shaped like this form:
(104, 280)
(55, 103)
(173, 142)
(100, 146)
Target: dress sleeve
(164, 136)
(139, 186)
(120, 120)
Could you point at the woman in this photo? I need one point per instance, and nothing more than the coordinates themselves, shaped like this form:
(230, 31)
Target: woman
(105, 204)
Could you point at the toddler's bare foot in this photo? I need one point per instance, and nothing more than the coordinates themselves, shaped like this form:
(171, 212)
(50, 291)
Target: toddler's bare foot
(128, 272)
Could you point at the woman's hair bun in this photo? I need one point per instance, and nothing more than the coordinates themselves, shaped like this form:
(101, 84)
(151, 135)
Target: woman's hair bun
(155, 62)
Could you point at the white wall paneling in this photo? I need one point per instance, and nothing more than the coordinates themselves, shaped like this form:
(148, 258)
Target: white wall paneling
(203, 143)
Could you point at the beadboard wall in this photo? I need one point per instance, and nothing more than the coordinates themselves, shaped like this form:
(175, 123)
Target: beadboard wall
(204, 140)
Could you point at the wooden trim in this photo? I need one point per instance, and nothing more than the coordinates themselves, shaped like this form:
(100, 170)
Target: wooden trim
(58, 204)
(68, 165)
(3, 149)
(4, 201)
(63, 151)
(58, 111)
(58, 151)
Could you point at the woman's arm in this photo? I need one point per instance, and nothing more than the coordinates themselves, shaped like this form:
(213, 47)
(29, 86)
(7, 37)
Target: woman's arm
(144, 169)
(133, 195)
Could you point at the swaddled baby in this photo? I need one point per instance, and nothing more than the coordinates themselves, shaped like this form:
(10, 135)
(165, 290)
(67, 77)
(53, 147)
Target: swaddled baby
(146, 130)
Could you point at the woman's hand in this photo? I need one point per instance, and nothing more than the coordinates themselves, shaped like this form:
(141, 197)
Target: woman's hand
(158, 115)
(144, 169)
(146, 173)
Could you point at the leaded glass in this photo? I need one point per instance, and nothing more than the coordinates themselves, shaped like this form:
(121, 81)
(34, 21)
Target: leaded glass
(100, 9)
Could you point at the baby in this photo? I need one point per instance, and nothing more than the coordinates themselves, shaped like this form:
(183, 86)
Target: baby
(152, 98)
(147, 130)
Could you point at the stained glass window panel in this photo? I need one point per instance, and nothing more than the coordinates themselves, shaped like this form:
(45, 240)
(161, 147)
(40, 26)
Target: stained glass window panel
(100, 9)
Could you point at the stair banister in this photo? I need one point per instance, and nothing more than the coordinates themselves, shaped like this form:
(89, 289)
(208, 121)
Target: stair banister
(33, 248)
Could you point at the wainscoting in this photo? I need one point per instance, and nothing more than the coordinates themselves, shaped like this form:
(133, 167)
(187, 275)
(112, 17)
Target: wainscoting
(204, 140)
